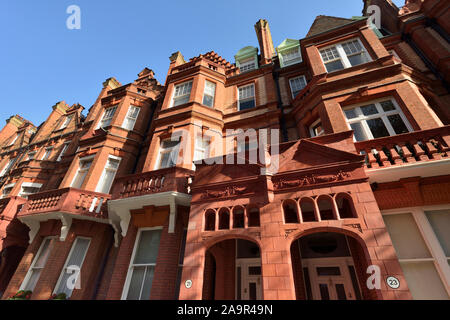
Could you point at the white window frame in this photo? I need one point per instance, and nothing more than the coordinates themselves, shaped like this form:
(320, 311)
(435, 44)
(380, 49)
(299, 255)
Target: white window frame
(13, 140)
(63, 150)
(291, 81)
(89, 158)
(102, 177)
(107, 117)
(67, 261)
(361, 118)
(130, 119)
(25, 281)
(166, 150)
(7, 167)
(175, 97)
(432, 243)
(8, 186)
(247, 98)
(126, 286)
(248, 64)
(205, 93)
(311, 129)
(201, 149)
(31, 155)
(48, 151)
(66, 122)
(342, 55)
(24, 194)
(297, 57)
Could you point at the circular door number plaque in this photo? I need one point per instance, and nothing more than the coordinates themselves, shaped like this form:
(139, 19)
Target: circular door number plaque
(188, 284)
(393, 282)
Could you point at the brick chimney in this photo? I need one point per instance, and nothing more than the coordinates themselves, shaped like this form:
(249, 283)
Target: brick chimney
(265, 41)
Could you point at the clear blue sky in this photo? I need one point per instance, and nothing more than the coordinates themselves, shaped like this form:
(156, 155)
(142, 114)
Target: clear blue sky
(42, 62)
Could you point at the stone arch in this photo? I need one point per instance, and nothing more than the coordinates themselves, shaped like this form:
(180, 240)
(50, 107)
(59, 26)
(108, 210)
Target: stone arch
(253, 216)
(325, 204)
(210, 220)
(238, 213)
(308, 209)
(359, 253)
(224, 219)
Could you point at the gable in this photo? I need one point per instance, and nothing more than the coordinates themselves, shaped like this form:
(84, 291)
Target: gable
(325, 23)
(306, 154)
(219, 173)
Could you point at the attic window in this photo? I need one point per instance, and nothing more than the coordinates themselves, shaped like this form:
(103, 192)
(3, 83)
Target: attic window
(291, 56)
(66, 122)
(13, 140)
(247, 65)
(141, 91)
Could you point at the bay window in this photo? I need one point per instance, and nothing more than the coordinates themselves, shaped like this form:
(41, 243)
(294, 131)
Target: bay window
(182, 93)
(131, 117)
(246, 97)
(141, 271)
(72, 266)
(376, 119)
(209, 93)
(38, 264)
(291, 56)
(344, 55)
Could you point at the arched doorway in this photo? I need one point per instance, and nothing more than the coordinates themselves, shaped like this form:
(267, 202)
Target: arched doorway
(326, 267)
(233, 271)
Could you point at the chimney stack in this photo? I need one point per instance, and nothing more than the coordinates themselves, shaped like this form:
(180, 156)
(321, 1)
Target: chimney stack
(265, 41)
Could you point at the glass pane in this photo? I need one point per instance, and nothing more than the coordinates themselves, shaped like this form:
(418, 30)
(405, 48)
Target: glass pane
(324, 294)
(387, 105)
(134, 289)
(360, 135)
(397, 124)
(252, 291)
(34, 277)
(369, 110)
(328, 271)
(350, 114)
(147, 250)
(208, 100)
(78, 252)
(340, 291)
(440, 222)
(146, 289)
(424, 281)
(63, 285)
(406, 237)
(107, 181)
(377, 128)
(334, 66)
(43, 255)
(254, 271)
(246, 104)
(357, 59)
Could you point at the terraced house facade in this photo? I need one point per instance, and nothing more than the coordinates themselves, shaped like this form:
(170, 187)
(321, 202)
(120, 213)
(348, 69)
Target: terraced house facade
(155, 194)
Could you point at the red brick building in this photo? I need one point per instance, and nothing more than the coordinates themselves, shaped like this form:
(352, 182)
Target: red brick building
(156, 193)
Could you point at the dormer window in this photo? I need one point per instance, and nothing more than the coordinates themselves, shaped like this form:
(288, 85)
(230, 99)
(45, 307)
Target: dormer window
(289, 52)
(107, 117)
(182, 93)
(247, 59)
(247, 65)
(66, 122)
(344, 55)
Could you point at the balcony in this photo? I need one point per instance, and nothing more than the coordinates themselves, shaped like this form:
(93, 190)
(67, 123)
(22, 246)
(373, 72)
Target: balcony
(408, 148)
(68, 200)
(158, 181)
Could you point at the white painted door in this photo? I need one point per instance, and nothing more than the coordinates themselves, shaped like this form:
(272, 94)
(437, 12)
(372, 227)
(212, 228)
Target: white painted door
(248, 279)
(330, 278)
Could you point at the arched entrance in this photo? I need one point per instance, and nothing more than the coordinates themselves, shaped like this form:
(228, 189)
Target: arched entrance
(326, 266)
(233, 271)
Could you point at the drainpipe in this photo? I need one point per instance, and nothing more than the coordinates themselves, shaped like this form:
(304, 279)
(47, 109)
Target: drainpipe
(280, 106)
(425, 60)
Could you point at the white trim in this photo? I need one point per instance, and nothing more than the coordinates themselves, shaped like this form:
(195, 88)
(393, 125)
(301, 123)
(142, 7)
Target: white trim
(126, 286)
(248, 98)
(63, 150)
(102, 177)
(293, 79)
(172, 98)
(129, 118)
(30, 269)
(343, 55)
(78, 169)
(67, 260)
